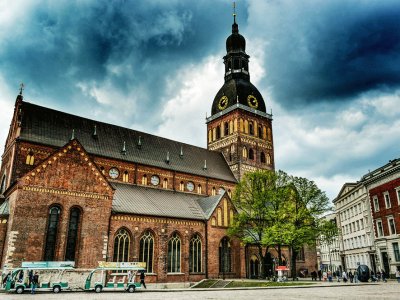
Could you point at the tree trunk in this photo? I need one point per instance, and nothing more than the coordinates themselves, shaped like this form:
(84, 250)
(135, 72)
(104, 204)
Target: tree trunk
(262, 258)
(279, 255)
(293, 263)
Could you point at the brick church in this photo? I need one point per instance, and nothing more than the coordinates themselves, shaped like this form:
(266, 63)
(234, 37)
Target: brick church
(75, 189)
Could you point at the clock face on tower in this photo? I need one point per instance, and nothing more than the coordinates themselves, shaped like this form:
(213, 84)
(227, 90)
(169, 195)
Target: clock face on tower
(155, 180)
(190, 186)
(223, 103)
(252, 101)
(114, 173)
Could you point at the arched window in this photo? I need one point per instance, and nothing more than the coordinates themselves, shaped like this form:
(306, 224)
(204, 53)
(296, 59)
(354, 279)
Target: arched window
(3, 184)
(181, 186)
(195, 258)
(231, 216)
(246, 126)
(268, 159)
(30, 159)
(241, 126)
(214, 134)
(230, 127)
(251, 128)
(230, 193)
(72, 238)
(269, 134)
(251, 154)
(260, 132)
(225, 256)
(165, 183)
(213, 191)
(174, 254)
(229, 65)
(52, 228)
(144, 179)
(199, 189)
(219, 216)
(264, 133)
(218, 129)
(225, 204)
(210, 136)
(231, 152)
(236, 64)
(244, 152)
(122, 244)
(125, 176)
(146, 251)
(213, 222)
(262, 157)
(226, 128)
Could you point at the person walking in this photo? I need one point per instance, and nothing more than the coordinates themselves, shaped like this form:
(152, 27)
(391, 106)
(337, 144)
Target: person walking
(30, 277)
(351, 277)
(319, 275)
(383, 274)
(314, 275)
(397, 274)
(344, 276)
(35, 282)
(142, 276)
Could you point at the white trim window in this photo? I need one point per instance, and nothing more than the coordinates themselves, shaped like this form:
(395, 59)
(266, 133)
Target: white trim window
(379, 228)
(398, 195)
(392, 225)
(376, 203)
(387, 200)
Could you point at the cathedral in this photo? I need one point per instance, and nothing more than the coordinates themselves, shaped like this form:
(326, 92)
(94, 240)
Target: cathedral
(76, 189)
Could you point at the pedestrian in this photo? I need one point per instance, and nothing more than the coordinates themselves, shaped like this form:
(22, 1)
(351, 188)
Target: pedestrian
(324, 275)
(129, 276)
(35, 282)
(6, 278)
(344, 276)
(21, 276)
(142, 276)
(314, 275)
(397, 274)
(351, 277)
(319, 275)
(338, 275)
(378, 275)
(383, 276)
(30, 278)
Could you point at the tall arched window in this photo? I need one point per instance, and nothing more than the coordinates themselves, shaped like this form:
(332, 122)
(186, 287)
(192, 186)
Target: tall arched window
(144, 179)
(251, 128)
(195, 258)
(269, 134)
(268, 159)
(213, 191)
(231, 216)
(219, 216)
(262, 157)
(199, 189)
(244, 152)
(122, 245)
(210, 136)
(218, 129)
(125, 176)
(174, 254)
(181, 186)
(52, 228)
(260, 132)
(72, 238)
(246, 126)
(226, 128)
(3, 184)
(30, 159)
(251, 154)
(225, 256)
(230, 127)
(165, 183)
(146, 252)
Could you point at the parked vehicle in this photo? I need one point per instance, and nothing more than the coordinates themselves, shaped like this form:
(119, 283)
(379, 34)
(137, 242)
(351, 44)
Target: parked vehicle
(50, 277)
(114, 276)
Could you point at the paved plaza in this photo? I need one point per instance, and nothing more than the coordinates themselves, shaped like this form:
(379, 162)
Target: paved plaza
(390, 290)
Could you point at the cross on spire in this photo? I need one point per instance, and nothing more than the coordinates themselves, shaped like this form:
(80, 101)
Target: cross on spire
(234, 12)
(21, 88)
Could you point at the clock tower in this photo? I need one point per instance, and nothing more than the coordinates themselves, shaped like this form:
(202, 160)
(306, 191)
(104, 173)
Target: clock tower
(239, 125)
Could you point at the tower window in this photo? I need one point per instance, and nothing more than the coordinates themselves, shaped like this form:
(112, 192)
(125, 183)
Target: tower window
(30, 159)
(218, 132)
(226, 128)
(260, 132)
(251, 154)
(236, 64)
(210, 136)
(125, 176)
(181, 186)
(229, 65)
(244, 152)
(231, 127)
(144, 179)
(262, 157)
(165, 183)
(268, 159)
(199, 189)
(251, 128)
(269, 134)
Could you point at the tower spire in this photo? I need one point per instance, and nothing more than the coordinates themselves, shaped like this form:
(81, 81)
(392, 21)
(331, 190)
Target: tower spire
(21, 88)
(234, 12)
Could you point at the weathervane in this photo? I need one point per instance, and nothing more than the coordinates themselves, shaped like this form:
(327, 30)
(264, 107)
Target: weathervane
(21, 88)
(234, 12)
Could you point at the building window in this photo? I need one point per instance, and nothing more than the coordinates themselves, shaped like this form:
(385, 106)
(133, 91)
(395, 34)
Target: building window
(213, 191)
(52, 228)
(199, 189)
(146, 251)
(174, 254)
(165, 183)
(30, 159)
(219, 216)
(269, 134)
(122, 244)
(210, 136)
(213, 221)
(300, 254)
(392, 226)
(226, 128)
(214, 134)
(181, 186)
(125, 176)
(251, 128)
(231, 128)
(376, 203)
(387, 200)
(144, 179)
(230, 193)
(218, 129)
(268, 159)
(225, 256)
(195, 258)
(251, 154)
(396, 251)
(260, 132)
(262, 157)
(72, 239)
(246, 126)
(3, 184)
(379, 228)
(231, 217)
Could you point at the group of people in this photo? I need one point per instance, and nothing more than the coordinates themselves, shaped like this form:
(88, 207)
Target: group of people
(352, 277)
(33, 279)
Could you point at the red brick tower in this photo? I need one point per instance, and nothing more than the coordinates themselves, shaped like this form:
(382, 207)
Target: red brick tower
(239, 125)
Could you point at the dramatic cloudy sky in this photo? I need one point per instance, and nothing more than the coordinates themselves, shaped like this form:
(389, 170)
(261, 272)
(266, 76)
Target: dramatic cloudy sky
(328, 69)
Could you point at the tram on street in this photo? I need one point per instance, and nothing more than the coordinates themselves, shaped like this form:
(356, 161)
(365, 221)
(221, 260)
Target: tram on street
(50, 276)
(115, 276)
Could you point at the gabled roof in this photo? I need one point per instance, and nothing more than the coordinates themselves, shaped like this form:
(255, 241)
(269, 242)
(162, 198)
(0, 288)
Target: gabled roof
(348, 186)
(141, 200)
(54, 128)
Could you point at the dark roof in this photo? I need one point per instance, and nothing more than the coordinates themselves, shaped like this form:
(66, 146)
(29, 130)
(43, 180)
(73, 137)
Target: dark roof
(208, 204)
(54, 128)
(141, 200)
